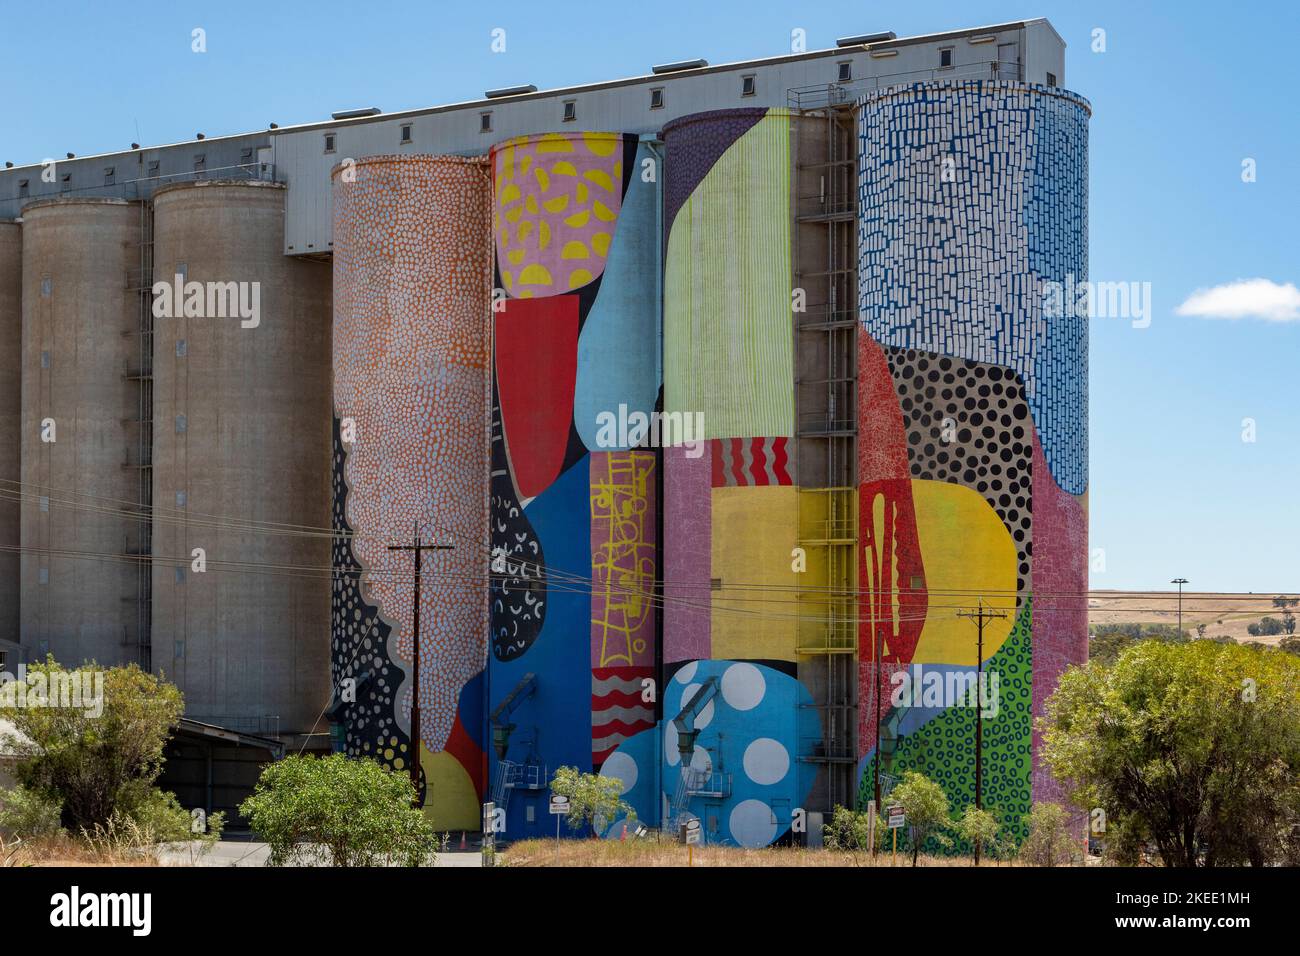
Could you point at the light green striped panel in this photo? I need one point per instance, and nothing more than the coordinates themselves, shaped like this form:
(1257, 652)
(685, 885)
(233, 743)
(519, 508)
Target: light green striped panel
(727, 286)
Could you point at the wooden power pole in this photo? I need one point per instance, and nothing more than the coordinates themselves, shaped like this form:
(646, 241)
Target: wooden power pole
(418, 550)
(979, 616)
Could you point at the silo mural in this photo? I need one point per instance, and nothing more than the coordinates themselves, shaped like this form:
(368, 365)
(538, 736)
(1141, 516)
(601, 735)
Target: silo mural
(972, 462)
(412, 280)
(573, 477)
(736, 718)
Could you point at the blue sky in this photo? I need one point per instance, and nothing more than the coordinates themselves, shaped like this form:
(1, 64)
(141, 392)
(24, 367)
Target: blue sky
(1184, 92)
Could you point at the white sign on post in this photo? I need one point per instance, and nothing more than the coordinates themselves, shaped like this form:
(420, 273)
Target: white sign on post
(559, 803)
(897, 818)
(691, 832)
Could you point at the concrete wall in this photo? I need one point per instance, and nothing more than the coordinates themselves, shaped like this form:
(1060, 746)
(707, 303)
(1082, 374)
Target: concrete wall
(11, 328)
(79, 314)
(241, 443)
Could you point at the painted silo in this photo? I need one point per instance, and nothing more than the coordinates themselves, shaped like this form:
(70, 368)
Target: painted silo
(241, 446)
(80, 408)
(732, 504)
(973, 454)
(412, 290)
(575, 474)
(11, 329)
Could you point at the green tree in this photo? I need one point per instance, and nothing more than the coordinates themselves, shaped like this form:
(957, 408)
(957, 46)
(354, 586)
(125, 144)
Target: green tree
(848, 830)
(981, 830)
(926, 807)
(101, 756)
(1050, 842)
(358, 812)
(593, 800)
(1196, 747)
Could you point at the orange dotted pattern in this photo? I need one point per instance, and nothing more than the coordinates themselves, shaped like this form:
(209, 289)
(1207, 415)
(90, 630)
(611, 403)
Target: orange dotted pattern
(412, 281)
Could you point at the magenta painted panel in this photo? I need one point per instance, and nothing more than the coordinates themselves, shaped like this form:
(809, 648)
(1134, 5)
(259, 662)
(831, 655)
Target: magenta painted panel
(688, 560)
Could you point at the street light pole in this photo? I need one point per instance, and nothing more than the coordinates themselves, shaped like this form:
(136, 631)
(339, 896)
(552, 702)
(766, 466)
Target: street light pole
(979, 617)
(1180, 582)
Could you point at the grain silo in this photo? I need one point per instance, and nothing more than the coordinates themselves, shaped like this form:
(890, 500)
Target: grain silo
(973, 458)
(412, 291)
(81, 456)
(11, 329)
(241, 446)
(575, 469)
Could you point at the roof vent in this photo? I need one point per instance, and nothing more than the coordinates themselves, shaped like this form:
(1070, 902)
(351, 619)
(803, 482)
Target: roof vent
(510, 91)
(679, 66)
(356, 114)
(866, 38)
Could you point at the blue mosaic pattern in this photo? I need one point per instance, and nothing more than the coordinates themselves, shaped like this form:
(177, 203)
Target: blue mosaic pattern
(958, 263)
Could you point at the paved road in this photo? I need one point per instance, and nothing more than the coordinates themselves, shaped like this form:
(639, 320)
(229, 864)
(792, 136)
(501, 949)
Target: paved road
(252, 853)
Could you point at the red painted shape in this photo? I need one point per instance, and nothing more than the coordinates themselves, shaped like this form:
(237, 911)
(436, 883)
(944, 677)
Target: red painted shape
(882, 443)
(781, 461)
(536, 369)
(467, 753)
(759, 454)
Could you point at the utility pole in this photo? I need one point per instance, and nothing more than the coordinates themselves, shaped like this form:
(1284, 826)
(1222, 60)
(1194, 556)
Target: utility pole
(979, 616)
(1180, 582)
(418, 549)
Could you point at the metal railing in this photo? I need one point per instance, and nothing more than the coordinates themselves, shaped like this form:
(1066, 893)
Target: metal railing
(824, 95)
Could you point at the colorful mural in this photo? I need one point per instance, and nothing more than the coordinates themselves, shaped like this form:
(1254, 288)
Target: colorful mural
(731, 508)
(412, 269)
(972, 404)
(576, 221)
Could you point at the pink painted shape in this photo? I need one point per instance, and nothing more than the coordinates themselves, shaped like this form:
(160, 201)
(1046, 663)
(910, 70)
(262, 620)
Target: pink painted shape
(1060, 585)
(688, 556)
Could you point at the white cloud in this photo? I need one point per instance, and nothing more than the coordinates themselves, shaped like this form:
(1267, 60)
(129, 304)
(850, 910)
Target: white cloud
(1245, 299)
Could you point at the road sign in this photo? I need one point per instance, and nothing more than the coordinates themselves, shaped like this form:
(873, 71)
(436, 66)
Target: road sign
(559, 803)
(896, 817)
(691, 832)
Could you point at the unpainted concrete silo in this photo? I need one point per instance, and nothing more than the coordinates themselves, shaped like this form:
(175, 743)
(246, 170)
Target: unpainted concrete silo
(81, 464)
(11, 326)
(241, 449)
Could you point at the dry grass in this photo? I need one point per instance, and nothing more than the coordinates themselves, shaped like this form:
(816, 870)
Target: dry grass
(1224, 615)
(65, 851)
(649, 853)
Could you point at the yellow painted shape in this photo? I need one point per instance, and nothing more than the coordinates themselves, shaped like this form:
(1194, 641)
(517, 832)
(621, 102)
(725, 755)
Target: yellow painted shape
(578, 219)
(600, 178)
(535, 274)
(582, 192)
(966, 548)
(543, 234)
(579, 277)
(602, 144)
(603, 212)
(600, 242)
(543, 178)
(573, 249)
(515, 256)
(558, 204)
(563, 168)
(450, 800)
(553, 143)
(753, 530)
(530, 203)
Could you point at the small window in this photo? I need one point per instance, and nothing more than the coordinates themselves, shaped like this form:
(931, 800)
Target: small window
(45, 503)
(45, 355)
(22, 189)
(715, 584)
(180, 575)
(109, 174)
(182, 424)
(65, 183)
(846, 71)
(485, 122)
(329, 142)
(180, 499)
(747, 87)
(406, 132)
(43, 576)
(657, 98)
(180, 348)
(570, 110)
(153, 168)
(246, 156)
(178, 650)
(945, 57)
(1051, 79)
(200, 162)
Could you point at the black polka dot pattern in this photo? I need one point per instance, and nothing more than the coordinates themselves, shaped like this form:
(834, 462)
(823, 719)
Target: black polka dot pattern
(968, 423)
